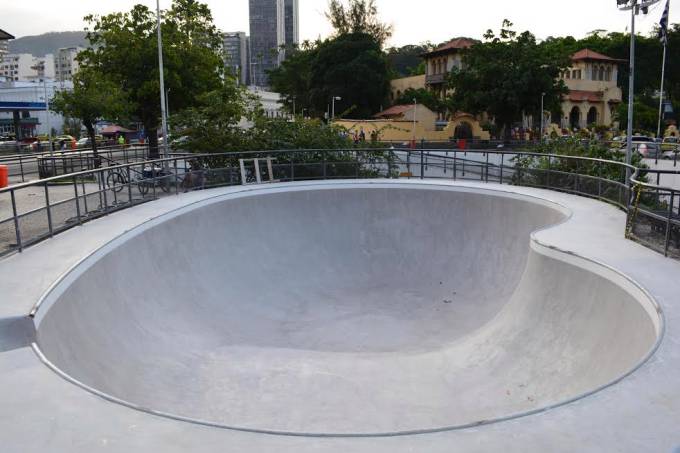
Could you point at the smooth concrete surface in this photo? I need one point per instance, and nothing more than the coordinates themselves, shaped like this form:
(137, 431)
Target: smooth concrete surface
(343, 311)
(603, 323)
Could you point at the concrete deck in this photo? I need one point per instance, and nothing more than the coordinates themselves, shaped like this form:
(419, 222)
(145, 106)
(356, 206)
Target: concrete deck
(549, 295)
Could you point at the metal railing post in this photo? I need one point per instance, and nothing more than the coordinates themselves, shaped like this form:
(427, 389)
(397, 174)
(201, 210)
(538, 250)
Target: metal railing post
(599, 179)
(408, 163)
(103, 190)
(75, 191)
(21, 167)
(502, 165)
(668, 224)
(422, 164)
(17, 232)
(174, 163)
(487, 167)
(49, 211)
(356, 164)
(82, 184)
(129, 184)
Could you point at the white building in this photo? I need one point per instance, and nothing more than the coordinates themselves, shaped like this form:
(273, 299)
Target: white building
(66, 64)
(43, 68)
(24, 102)
(17, 67)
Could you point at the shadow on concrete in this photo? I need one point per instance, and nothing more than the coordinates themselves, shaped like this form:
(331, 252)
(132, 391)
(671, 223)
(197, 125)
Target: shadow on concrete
(16, 333)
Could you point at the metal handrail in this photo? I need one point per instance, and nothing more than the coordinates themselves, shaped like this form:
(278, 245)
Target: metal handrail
(444, 160)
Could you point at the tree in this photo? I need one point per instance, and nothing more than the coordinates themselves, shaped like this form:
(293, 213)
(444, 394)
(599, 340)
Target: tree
(646, 115)
(293, 79)
(124, 47)
(350, 66)
(422, 96)
(407, 60)
(94, 97)
(506, 75)
(72, 126)
(359, 16)
(213, 124)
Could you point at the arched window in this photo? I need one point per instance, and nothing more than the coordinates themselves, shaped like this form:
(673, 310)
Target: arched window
(609, 74)
(568, 74)
(574, 74)
(594, 73)
(601, 72)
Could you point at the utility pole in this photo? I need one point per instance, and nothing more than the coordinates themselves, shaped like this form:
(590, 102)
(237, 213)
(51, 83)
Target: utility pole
(164, 120)
(335, 98)
(415, 120)
(47, 114)
(634, 6)
(542, 115)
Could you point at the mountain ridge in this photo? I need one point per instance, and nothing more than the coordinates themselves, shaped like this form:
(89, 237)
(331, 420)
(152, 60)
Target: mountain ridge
(41, 45)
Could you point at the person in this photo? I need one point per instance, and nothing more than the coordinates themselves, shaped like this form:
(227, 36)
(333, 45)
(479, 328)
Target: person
(362, 135)
(62, 145)
(121, 140)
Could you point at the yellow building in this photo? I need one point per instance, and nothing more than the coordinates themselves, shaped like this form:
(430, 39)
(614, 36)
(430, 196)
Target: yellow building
(403, 123)
(593, 91)
(442, 60)
(399, 86)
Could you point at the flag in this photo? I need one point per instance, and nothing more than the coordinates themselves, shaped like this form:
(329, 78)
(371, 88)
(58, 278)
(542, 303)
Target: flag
(663, 32)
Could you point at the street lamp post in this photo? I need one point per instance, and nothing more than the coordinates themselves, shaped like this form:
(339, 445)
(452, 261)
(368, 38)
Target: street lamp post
(335, 98)
(164, 121)
(542, 115)
(415, 120)
(635, 6)
(47, 114)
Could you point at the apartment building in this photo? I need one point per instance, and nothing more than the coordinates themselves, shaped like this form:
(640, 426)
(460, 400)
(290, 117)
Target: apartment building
(237, 56)
(66, 65)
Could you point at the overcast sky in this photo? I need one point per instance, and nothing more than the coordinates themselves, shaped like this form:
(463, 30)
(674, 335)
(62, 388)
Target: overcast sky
(414, 21)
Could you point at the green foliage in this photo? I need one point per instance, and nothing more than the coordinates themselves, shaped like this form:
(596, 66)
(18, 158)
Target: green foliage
(124, 47)
(72, 127)
(607, 178)
(423, 96)
(358, 17)
(351, 66)
(645, 118)
(407, 61)
(294, 77)
(213, 124)
(505, 76)
(94, 97)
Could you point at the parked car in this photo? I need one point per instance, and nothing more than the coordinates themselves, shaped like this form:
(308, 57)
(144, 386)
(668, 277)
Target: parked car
(670, 144)
(86, 142)
(647, 150)
(671, 154)
(670, 148)
(643, 145)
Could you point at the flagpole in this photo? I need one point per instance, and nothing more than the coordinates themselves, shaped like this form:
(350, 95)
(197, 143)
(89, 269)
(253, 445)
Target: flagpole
(661, 98)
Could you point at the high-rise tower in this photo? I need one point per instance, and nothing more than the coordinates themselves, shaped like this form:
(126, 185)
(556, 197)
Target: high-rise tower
(267, 38)
(292, 23)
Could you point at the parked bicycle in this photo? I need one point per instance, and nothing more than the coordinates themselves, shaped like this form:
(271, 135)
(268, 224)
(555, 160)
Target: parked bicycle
(149, 178)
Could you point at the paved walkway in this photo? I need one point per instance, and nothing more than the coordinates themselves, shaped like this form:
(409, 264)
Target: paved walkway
(42, 412)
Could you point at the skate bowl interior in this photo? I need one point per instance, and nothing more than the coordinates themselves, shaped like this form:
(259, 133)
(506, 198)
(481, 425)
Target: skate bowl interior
(345, 310)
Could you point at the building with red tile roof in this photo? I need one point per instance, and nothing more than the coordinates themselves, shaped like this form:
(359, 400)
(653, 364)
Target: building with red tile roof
(593, 90)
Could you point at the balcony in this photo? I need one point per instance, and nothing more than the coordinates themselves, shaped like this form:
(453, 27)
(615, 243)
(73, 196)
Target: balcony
(435, 79)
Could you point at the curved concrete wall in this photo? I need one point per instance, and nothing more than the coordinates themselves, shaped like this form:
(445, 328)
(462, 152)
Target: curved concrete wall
(345, 310)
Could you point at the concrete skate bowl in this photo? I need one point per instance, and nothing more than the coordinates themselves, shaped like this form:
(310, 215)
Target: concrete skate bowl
(345, 310)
